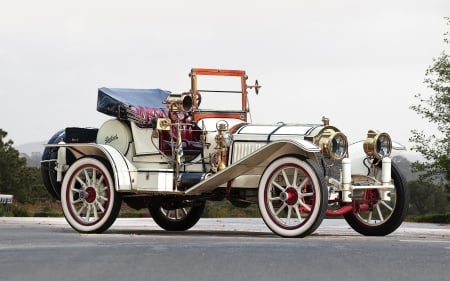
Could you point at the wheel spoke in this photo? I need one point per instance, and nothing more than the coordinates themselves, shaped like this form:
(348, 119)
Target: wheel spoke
(379, 212)
(288, 218)
(94, 211)
(301, 195)
(94, 177)
(278, 186)
(88, 213)
(185, 212)
(81, 181)
(280, 209)
(387, 206)
(100, 206)
(298, 213)
(294, 180)
(277, 198)
(286, 180)
(86, 176)
(79, 211)
(304, 205)
(369, 218)
(302, 184)
(100, 182)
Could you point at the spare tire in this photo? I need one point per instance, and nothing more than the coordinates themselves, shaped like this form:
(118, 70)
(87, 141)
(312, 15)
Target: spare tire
(48, 171)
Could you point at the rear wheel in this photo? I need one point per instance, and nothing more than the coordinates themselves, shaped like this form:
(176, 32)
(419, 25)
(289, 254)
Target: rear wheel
(179, 217)
(89, 200)
(292, 197)
(381, 217)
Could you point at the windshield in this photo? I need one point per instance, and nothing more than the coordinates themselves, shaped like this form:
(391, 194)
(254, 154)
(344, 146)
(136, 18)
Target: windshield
(221, 93)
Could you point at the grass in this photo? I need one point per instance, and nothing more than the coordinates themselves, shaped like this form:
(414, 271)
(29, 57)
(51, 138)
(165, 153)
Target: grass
(431, 218)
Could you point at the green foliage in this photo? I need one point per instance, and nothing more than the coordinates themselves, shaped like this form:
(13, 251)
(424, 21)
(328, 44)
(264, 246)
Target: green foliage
(128, 212)
(224, 209)
(16, 178)
(5, 211)
(426, 197)
(11, 166)
(433, 218)
(436, 109)
(20, 212)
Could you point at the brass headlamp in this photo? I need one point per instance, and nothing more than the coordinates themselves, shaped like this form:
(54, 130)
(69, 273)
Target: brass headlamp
(378, 145)
(333, 143)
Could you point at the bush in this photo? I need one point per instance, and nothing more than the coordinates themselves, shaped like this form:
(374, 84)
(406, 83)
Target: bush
(427, 198)
(224, 209)
(20, 212)
(4, 212)
(432, 218)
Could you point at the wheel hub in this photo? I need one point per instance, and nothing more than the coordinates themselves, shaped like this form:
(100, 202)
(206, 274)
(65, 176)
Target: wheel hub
(372, 196)
(89, 194)
(289, 196)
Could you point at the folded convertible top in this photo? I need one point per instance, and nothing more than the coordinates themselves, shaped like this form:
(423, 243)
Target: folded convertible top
(118, 101)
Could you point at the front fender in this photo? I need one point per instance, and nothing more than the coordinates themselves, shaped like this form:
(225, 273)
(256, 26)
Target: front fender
(254, 164)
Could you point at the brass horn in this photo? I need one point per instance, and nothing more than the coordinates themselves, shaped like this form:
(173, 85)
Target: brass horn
(180, 102)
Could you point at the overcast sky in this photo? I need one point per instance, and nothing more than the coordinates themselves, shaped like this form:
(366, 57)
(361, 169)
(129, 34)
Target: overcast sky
(360, 63)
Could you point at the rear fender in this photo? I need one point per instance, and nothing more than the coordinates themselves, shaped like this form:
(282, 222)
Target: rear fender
(120, 166)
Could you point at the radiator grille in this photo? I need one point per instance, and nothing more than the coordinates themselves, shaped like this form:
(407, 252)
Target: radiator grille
(242, 149)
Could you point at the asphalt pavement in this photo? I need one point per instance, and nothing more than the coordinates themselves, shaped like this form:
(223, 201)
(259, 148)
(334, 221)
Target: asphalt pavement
(219, 249)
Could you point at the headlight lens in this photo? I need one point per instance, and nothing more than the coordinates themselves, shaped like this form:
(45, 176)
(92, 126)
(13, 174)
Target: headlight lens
(333, 144)
(339, 145)
(378, 145)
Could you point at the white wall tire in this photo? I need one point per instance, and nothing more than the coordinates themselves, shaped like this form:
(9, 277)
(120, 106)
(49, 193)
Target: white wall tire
(89, 201)
(292, 197)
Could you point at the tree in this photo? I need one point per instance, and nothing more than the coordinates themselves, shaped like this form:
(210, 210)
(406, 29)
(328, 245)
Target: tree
(11, 165)
(427, 198)
(436, 109)
(16, 178)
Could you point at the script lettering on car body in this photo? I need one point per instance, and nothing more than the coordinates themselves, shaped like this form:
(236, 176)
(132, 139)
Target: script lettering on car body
(110, 139)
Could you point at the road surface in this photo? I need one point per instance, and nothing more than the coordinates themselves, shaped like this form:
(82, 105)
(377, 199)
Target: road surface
(219, 249)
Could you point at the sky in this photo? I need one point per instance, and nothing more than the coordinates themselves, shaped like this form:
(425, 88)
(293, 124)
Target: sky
(359, 63)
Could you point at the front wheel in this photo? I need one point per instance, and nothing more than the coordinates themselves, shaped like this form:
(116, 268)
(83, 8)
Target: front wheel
(89, 200)
(292, 197)
(382, 216)
(177, 218)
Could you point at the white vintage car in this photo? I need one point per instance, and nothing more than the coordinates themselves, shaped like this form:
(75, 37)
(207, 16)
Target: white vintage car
(172, 152)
